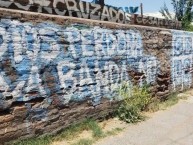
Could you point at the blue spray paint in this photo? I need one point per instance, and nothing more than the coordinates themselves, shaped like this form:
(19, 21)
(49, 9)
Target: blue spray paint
(182, 55)
(74, 63)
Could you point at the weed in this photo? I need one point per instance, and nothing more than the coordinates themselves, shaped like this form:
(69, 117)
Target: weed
(135, 100)
(96, 129)
(129, 114)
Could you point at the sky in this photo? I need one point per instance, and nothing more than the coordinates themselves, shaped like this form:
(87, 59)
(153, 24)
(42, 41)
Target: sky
(150, 6)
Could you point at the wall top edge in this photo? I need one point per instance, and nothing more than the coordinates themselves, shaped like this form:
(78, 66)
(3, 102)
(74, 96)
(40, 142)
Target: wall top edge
(33, 17)
(86, 10)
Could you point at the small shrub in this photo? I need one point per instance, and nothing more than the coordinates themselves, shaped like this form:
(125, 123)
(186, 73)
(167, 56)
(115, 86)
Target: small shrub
(135, 100)
(129, 114)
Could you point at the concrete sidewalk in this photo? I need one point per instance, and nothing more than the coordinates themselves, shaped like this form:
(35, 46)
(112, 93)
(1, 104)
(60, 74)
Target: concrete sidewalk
(173, 126)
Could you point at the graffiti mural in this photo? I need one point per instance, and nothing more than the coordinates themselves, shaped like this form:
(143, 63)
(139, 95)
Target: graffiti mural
(182, 56)
(73, 63)
(73, 8)
(157, 22)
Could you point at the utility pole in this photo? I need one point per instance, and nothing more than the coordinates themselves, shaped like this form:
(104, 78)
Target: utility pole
(141, 6)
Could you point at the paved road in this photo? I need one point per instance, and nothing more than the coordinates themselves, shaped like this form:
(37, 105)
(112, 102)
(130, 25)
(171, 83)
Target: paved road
(173, 126)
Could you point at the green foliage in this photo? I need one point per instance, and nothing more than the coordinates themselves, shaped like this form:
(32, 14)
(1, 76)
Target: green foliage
(189, 28)
(96, 129)
(187, 17)
(135, 100)
(129, 114)
(182, 11)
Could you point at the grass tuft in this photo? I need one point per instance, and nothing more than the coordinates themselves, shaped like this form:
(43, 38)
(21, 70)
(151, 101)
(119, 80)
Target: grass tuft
(46, 140)
(72, 131)
(96, 129)
(84, 142)
(68, 134)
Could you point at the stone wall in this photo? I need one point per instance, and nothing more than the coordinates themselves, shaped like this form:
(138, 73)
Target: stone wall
(57, 70)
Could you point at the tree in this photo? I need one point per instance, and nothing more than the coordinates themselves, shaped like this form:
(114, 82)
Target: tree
(165, 12)
(182, 11)
(188, 16)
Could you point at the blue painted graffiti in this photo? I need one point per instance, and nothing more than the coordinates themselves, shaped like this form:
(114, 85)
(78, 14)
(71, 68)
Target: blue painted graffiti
(182, 56)
(73, 63)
